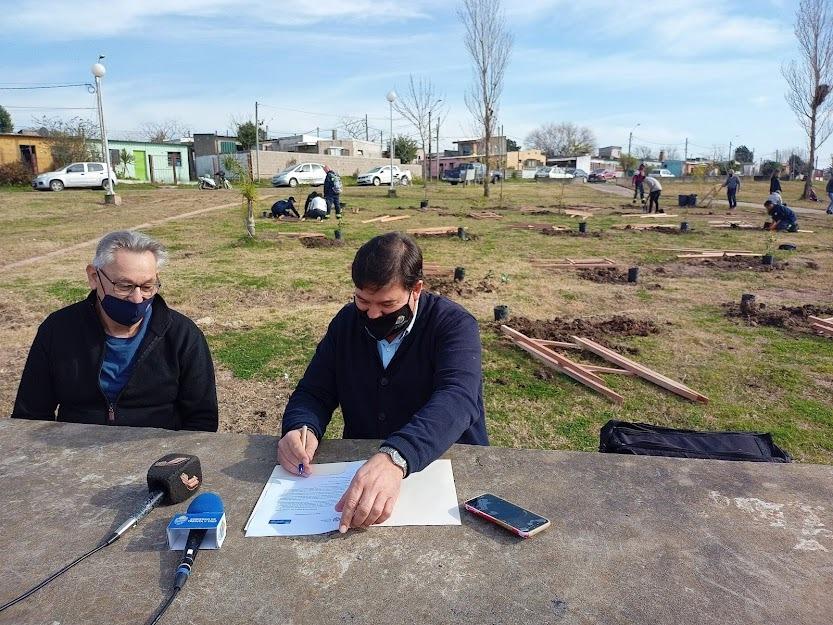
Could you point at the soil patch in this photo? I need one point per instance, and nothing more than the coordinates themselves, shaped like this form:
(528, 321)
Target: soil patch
(602, 331)
(611, 275)
(661, 229)
(451, 288)
(251, 406)
(788, 317)
(320, 242)
(696, 268)
(552, 232)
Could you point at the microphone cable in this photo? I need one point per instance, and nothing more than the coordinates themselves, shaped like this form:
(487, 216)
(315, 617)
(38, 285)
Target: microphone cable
(57, 574)
(165, 606)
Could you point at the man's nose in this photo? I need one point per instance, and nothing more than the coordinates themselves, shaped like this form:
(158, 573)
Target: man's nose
(374, 312)
(135, 296)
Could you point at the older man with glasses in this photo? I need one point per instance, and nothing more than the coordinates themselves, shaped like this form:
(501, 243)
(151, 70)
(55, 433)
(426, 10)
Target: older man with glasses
(121, 356)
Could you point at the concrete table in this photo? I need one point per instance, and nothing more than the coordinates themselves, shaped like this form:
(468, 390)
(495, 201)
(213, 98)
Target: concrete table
(633, 540)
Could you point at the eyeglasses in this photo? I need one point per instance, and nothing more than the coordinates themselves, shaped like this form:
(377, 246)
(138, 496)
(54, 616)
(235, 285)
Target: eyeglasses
(125, 289)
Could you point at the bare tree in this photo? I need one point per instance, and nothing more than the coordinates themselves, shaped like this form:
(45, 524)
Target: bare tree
(416, 104)
(489, 44)
(809, 78)
(672, 153)
(565, 139)
(357, 128)
(164, 131)
(643, 152)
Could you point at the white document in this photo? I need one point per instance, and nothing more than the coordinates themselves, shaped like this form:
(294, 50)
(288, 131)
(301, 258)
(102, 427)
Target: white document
(291, 505)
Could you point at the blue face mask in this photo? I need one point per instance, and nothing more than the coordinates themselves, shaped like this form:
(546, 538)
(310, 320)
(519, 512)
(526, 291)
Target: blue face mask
(125, 312)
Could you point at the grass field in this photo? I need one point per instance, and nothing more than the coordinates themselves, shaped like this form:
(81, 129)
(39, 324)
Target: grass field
(264, 303)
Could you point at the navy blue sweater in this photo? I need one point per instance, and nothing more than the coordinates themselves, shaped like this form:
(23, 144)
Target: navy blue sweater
(429, 397)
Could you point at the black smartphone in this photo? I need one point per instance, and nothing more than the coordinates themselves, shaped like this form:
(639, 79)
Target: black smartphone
(509, 516)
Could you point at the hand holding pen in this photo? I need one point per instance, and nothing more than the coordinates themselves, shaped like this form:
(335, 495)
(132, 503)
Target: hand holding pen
(296, 450)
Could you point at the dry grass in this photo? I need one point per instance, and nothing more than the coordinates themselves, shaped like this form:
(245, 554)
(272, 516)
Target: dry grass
(264, 303)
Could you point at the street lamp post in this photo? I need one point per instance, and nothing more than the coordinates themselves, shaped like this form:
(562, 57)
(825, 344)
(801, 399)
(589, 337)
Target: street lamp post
(98, 71)
(391, 97)
(630, 138)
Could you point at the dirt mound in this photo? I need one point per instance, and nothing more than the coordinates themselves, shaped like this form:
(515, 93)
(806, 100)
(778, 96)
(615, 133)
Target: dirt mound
(604, 275)
(741, 263)
(789, 317)
(453, 288)
(552, 232)
(599, 330)
(320, 242)
(661, 229)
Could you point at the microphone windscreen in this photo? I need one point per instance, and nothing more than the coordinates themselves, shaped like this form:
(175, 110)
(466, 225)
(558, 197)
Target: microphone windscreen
(177, 475)
(209, 503)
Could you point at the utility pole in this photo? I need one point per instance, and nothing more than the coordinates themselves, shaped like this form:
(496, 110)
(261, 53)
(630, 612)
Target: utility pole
(366, 129)
(438, 148)
(630, 141)
(257, 146)
(428, 173)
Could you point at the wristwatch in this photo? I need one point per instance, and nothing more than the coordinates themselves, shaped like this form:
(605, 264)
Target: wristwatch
(396, 457)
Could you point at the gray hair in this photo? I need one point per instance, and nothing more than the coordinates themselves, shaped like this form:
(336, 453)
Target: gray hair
(132, 241)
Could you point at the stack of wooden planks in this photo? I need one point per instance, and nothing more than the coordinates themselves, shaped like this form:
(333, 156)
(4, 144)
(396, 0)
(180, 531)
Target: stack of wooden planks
(576, 213)
(573, 263)
(544, 352)
(385, 219)
(440, 231)
(484, 215)
(822, 326)
(717, 254)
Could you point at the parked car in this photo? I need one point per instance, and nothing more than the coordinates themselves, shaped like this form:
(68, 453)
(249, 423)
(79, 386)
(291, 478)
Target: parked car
(552, 172)
(76, 175)
(578, 174)
(467, 172)
(381, 175)
(304, 173)
(662, 173)
(601, 175)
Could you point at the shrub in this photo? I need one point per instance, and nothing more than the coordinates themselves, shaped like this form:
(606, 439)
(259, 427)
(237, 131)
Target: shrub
(15, 173)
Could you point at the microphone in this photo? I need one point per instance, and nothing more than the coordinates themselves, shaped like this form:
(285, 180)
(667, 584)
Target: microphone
(171, 479)
(207, 510)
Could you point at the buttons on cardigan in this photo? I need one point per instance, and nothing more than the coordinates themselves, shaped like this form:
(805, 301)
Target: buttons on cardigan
(383, 382)
(382, 416)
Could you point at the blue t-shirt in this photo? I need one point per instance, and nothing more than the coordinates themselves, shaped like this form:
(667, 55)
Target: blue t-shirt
(119, 356)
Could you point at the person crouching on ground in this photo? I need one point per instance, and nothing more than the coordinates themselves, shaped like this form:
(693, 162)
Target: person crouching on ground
(654, 191)
(783, 218)
(121, 356)
(404, 365)
(317, 207)
(284, 208)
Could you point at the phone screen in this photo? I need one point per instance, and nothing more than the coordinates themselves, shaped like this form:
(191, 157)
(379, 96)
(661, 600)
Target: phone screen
(508, 513)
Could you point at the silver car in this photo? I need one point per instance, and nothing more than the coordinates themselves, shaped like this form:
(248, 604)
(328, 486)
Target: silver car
(304, 173)
(76, 175)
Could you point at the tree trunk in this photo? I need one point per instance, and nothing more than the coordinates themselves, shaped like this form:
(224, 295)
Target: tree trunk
(488, 141)
(811, 165)
(250, 218)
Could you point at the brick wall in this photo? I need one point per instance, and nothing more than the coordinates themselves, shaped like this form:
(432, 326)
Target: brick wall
(273, 162)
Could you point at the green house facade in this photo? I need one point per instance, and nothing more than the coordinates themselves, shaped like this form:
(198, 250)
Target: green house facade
(151, 162)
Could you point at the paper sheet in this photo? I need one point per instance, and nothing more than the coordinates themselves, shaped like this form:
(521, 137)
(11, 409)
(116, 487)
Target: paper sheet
(291, 505)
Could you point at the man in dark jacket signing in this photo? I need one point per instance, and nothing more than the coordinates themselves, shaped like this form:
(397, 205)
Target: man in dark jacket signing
(404, 365)
(121, 356)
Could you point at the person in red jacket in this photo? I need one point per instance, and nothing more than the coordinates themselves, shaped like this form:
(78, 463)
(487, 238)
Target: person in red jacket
(637, 181)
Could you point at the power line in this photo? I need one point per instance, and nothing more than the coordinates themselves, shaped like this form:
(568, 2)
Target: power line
(79, 84)
(53, 108)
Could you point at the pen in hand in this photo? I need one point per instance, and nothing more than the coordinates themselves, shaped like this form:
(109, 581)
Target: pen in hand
(304, 445)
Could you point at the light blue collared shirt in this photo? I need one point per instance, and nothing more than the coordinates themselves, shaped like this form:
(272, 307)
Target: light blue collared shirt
(388, 349)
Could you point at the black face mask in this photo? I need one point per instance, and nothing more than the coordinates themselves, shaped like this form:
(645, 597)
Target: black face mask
(391, 323)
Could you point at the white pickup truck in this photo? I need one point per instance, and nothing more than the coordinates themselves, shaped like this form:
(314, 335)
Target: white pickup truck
(75, 175)
(381, 175)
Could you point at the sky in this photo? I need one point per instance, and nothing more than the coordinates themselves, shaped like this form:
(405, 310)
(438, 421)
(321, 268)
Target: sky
(707, 71)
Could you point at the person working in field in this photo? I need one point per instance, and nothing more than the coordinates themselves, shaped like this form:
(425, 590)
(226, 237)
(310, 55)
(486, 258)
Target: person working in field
(654, 191)
(404, 365)
(782, 216)
(284, 208)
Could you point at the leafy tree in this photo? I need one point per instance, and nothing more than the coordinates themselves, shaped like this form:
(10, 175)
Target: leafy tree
(565, 139)
(5, 121)
(246, 135)
(796, 163)
(628, 162)
(743, 154)
(71, 139)
(125, 158)
(512, 145)
(405, 149)
(768, 167)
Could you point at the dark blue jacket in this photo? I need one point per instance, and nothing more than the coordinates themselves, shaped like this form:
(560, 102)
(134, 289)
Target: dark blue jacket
(782, 212)
(429, 397)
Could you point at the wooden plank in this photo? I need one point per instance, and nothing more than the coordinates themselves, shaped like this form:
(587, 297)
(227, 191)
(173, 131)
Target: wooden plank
(575, 213)
(822, 329)
(641, 371)
(576, 372)
(825, 323)
(370, 221)
(656, 216)
(386, 219)
(298, 235)
(440, 230)
(596, 369)
(562, 344)
(720, 255)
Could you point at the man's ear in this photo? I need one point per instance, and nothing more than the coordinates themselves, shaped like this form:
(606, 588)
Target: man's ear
(418, 288)
(92, 277)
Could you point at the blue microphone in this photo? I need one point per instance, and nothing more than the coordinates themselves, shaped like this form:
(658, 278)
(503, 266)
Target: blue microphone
(205, 513)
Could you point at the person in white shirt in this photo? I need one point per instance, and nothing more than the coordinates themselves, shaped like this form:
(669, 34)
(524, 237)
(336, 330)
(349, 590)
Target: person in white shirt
(654, 191)
(317, 207)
